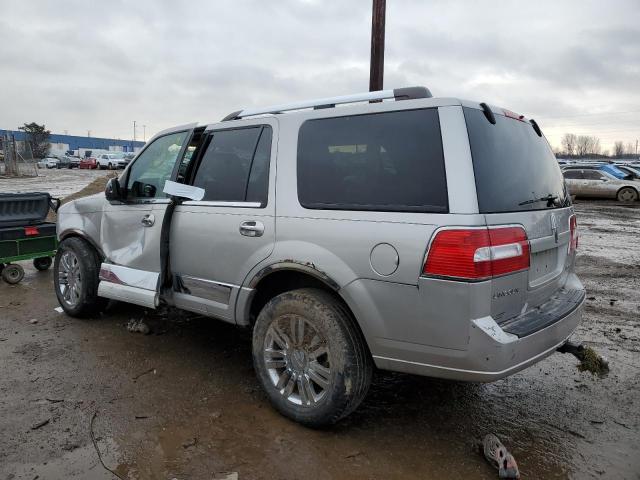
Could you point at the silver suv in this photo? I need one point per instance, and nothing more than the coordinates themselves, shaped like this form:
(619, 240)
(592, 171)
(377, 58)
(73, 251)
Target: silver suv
(425, 235)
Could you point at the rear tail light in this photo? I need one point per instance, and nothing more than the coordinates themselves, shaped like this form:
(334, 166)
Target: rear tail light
(31, 231)
(573, 230)
(477, 253)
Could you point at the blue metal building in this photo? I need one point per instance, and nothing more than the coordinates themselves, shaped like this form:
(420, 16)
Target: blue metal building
(76, 142)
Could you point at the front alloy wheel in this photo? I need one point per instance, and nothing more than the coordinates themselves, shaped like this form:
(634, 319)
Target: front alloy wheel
(75, 273)
(70, 278)
(627, 195)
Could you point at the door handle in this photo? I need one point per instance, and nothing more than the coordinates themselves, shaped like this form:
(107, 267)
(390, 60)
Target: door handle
(251, 229)
(148, 220)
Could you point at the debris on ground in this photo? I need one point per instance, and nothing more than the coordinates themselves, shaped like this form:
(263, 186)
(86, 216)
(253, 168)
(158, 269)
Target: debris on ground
(227, 476)
(33, 321)
(40, 424)
(591, 361)
(138, 326)
(498, 455)
(58, 309)
(151, 370)
(95, 440)
(192, 442)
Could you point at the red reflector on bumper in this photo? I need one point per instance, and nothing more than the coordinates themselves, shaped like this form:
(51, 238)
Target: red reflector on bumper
(30, 231)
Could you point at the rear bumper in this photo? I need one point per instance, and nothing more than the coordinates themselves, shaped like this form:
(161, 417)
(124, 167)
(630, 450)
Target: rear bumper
(485, 351)
(489, 358)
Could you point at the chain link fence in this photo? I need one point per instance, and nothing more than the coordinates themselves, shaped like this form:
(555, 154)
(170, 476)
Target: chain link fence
(16, 158)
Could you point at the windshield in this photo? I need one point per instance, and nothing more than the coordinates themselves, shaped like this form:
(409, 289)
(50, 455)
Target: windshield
(515, 169)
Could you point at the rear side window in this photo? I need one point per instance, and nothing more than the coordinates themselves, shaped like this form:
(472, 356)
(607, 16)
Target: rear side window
(592, 175)
(572, 174)
(385, 161)
(515, 169)
(235, 165)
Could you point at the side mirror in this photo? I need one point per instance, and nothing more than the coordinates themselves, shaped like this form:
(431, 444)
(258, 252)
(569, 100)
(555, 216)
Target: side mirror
(112, 191)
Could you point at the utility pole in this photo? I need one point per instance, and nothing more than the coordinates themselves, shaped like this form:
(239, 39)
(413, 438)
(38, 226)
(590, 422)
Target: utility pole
(376, 72)
(636, 146)
(134, 130)
(144, 133)
(88, 133)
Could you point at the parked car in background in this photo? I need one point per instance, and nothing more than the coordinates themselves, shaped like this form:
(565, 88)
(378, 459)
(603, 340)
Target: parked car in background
(634, 172)
(597, 183)
(68, 162)
(431, 236)
(112, 161)
(88, 162)
(48, 162)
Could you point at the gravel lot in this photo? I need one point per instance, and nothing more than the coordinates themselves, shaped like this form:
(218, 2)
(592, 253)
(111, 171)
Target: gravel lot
(59, 183)
(183, 402)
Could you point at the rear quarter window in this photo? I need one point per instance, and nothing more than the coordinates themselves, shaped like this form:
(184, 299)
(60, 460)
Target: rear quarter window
(390, 161)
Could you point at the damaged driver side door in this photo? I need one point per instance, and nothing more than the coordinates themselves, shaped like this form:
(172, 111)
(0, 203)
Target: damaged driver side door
(131, 228)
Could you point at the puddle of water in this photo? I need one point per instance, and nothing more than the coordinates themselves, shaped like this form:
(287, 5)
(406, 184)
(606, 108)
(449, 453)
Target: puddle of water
(81, 463)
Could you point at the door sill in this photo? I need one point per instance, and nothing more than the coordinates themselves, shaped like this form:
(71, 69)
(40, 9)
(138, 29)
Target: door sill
(126, 293)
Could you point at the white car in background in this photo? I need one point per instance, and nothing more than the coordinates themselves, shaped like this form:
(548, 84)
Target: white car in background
(48, 162)
(111, 161)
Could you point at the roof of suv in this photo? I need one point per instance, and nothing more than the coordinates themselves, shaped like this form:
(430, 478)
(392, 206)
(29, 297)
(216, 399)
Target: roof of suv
(415, 95)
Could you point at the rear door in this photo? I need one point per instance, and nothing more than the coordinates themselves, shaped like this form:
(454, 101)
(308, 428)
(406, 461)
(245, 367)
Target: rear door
(216, 241)
(519, 182)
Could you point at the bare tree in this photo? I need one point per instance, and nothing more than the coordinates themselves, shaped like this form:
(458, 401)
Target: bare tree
(618, 149)
(582, 145)
(587, 145)
(630, 148)
(568, 143)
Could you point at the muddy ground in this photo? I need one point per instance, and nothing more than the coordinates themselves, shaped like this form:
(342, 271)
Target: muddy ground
(183, 401)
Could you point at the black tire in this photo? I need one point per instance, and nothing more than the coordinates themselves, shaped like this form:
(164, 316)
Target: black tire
(98, 166)
(12, 273)
(627, 195)
(42, 263)
(347, 362)
(88, 303)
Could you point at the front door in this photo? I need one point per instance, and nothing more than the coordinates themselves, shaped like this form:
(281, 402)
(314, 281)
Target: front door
(131, 230)
(215, 242)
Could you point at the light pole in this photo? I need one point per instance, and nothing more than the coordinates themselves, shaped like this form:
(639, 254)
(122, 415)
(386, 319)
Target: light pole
(144, 133)
(376, 71)
(134, 130)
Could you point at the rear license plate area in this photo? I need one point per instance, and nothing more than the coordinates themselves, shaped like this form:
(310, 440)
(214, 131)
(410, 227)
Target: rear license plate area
(543, 264)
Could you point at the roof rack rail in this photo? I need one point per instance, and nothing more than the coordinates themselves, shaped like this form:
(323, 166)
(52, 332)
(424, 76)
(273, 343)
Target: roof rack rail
(406, 93)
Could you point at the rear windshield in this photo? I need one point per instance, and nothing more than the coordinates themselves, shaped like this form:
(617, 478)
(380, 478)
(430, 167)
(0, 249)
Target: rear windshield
(515, 169)
(384, 161)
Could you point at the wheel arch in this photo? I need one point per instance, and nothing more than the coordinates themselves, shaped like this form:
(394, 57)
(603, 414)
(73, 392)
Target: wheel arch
(72, 232)
(282, 277)
(632, 187)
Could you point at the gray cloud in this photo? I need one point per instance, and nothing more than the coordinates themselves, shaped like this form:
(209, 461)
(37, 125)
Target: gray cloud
(77, 65)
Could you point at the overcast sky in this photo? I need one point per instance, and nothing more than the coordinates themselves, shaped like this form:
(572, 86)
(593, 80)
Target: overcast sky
(81, 65)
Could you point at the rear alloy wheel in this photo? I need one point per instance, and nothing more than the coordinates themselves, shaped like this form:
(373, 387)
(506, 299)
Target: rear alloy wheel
(12, 273)
(627, 195)
(111, 166)
(75, 275)
(310, 357)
